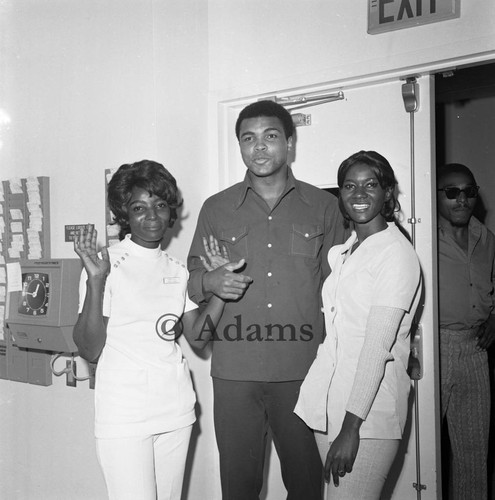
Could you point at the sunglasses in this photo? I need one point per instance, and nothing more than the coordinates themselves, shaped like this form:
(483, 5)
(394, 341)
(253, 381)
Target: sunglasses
(453, 192)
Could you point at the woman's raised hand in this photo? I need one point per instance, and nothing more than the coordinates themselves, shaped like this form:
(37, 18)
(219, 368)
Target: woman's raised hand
(85, 247)
(216, 257)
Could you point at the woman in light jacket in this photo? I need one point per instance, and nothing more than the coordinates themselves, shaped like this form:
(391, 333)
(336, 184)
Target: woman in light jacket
(355, 394)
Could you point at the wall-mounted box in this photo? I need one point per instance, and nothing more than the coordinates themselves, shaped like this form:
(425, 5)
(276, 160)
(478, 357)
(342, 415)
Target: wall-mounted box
(43, 314)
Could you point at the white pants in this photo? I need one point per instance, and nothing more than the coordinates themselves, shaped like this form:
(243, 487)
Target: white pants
(369, 472)
(144, 467)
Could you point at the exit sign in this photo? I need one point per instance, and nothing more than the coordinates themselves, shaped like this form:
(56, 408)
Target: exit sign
(389, 15)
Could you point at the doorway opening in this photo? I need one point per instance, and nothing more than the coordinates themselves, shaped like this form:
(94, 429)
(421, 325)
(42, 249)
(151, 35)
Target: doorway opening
(465, 133)
(465, 128)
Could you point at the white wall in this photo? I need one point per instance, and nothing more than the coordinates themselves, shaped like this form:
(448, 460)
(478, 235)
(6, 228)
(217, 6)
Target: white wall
(257, 46)
(90, 84)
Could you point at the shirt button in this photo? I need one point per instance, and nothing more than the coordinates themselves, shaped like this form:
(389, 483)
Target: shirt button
(269, 274)
(332, 309)
(269, 305)
(306, 235)
(233, 238)
(269, 245)
(270, 217)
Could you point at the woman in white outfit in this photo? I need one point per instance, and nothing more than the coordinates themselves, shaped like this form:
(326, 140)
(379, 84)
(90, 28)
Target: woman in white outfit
(355, 394)
(133, 298)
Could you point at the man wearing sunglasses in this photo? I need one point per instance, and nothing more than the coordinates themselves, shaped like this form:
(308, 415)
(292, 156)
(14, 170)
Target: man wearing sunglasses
(466, 256)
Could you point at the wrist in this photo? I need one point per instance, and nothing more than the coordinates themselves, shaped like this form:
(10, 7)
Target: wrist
(351, 423)
(205, 283)
(96, 281)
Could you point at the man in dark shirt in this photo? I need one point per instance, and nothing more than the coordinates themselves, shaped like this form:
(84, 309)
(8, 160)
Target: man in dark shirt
(466, 263)
(272, 323)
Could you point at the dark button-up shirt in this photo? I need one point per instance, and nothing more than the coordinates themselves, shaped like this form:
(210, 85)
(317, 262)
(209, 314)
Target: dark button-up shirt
(272, 333)
(466, 280)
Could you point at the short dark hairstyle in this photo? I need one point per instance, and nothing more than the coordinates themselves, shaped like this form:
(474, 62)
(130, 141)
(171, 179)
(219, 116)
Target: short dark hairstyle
(456, 168)
(145, 174)
(384, 174)
(266, 108)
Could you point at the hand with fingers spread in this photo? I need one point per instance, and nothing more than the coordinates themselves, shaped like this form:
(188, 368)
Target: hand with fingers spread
(90, 329)
(216, 257)
(85, 248)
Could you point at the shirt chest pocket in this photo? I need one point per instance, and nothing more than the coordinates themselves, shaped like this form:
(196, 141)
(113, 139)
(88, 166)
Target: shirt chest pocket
(236, 241)
(306, 240)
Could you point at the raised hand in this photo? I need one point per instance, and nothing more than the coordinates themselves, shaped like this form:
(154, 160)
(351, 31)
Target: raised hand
(85, 247)
(216, 258)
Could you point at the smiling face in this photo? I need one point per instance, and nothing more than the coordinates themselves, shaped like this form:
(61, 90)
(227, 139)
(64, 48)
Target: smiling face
(264, 147)
(362, 197)
(458, 211)
(148, 216)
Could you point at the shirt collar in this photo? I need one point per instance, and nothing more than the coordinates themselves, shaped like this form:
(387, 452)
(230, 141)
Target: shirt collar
(369, 240)
(349, 243)
(140, 250)
(475, 228)
(292, 183)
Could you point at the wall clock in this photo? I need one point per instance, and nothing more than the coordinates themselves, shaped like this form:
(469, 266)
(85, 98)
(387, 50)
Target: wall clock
(35, 294)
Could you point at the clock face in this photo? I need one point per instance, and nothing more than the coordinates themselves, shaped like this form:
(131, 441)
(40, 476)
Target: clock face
(35, 294)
